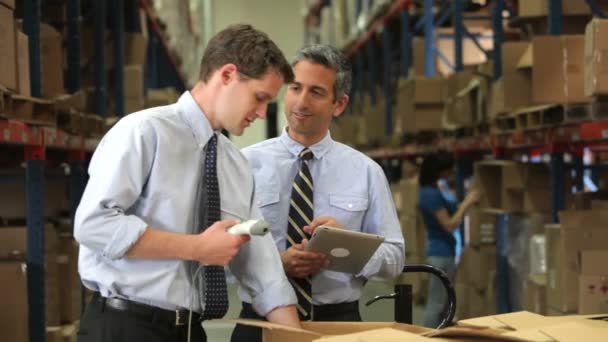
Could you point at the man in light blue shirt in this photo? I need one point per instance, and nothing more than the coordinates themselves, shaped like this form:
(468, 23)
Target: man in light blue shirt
(349, 191)
(164, 186)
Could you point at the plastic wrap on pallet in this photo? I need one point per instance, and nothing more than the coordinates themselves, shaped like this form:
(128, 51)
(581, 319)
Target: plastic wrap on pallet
(596, 58)
(538, 254)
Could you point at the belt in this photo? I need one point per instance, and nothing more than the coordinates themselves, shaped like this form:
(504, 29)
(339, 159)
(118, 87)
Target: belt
(336, 309)
(148, 312)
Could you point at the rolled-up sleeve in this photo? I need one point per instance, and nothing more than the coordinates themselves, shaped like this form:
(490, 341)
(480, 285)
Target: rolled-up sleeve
(260, 272)
(117, 174)
(381, 219)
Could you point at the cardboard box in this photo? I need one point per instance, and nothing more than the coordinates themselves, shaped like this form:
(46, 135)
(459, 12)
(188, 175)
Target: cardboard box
(428, 90)
(133, 105)
(462, 296)
(596, 58)
(8, 53)
(14, 313)
(414, 233)
(53, 334)
(580, 230)
(428, 117)
(540, 8)
(593, 294)
(510, 92)
(70, 291)
(23, 64)
(408, 190)
(136, 45)
(51, 61)
(134, 81)
(372, 129)
(535, 294)
(501, 184)
(8, 3)
(481, 263)
(593, 282)
(403, 112)
(161, 97)
(480, 228)
(558, 74)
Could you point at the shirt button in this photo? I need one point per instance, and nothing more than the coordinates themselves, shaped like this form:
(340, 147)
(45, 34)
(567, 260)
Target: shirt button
(350, 205)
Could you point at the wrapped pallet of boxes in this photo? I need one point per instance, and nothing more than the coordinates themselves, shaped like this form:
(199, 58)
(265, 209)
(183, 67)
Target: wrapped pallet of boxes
(403, 112)
(14, 313)
(579, 230)
(479, 228)
(596, 63)
(428, 97)
(51, 61)
(134, 100)
(372, 130)
(8, 53)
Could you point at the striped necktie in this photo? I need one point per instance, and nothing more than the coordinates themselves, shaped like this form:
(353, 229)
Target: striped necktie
(215, 291)
(300, 215)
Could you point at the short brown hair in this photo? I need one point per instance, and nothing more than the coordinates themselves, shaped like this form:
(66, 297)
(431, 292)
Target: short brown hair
(249, 49)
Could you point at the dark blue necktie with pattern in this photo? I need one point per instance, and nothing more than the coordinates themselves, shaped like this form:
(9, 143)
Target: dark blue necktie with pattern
(214, 285)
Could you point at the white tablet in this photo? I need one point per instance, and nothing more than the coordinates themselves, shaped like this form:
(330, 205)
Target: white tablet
(348, 251)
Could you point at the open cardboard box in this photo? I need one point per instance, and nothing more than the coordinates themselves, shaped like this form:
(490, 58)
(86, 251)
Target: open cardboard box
(518, 326)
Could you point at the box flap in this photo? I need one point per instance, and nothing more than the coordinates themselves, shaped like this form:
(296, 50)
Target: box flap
(384, 335)
(511, 321)
(270, 326)
(569, 331)
(472, 333)
(526, 60)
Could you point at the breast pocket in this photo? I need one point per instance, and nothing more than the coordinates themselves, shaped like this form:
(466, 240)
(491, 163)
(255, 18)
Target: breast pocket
(268, 201)
(348, 210)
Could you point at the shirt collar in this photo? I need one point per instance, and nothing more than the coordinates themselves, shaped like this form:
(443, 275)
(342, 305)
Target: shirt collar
(195, 118)
(319, 149)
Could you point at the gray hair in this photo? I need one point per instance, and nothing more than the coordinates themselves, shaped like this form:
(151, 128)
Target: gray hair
(331, 58)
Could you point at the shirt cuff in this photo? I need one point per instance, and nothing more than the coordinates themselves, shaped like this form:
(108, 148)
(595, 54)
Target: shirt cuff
(278, 294)
(372, 267)
(130, 230)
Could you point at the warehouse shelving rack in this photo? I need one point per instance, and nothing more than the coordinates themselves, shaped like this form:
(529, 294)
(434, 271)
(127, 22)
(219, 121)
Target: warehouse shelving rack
(391, 34)
(38, 147)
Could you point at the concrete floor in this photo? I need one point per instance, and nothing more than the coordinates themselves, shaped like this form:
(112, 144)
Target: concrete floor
(381, 311)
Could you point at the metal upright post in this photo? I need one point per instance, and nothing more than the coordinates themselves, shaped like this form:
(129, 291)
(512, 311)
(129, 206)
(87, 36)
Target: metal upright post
(100, 74)
(387, 81)
(458, 34)
(429, 39)
(35, 156)
(406, 43)
(499, 6)
(119, 56)
(73, 45)
(555, 17)
(360, 70)
(31, 27)
(557, 183)
(372, 63)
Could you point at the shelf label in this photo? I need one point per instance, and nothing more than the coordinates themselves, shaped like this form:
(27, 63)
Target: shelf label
(605, 133)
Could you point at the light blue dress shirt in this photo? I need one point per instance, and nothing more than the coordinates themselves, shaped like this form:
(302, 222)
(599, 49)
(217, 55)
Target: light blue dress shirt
(145, 173)
(348, 186)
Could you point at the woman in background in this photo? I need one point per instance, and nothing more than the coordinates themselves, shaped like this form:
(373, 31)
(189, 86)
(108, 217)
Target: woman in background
(441, 217)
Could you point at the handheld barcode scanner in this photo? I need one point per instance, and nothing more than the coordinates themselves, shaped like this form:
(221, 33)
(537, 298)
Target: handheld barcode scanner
(251, 227)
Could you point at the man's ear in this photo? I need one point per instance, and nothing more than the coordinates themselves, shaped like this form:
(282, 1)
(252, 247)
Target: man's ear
(227, 73)
(340, 105)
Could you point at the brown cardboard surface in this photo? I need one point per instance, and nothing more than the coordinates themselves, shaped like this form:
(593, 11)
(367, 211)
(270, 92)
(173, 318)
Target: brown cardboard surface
(428, 90)
(593, 294)
(14, 313)
(501, 184)
(13, 241)
(511, 321)
(51, 61)
(558, 76)
(567, 331)
(134, 81)
(23, 64)
(8, 3)
(8, 74)
(510, 92)
(481, 263)
(535, 297)
(596, 58)
(136, 45)
(403, 114)
(593, 262)
(69, 292)
(409, 196)
(133, 105)
(428, 117)
(384, 334)
(512, 52)
(539, 8)
(53, 334)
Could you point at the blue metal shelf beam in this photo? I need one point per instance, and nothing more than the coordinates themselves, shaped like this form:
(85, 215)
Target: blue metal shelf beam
(119, 56)
(555, 16)
(31, 27)
(406, 43)
(595, 8)
(100, 74)
(73, 45)
(429, 39)
(457, 20)
(557, 184)
(499, 6)
(387, 81)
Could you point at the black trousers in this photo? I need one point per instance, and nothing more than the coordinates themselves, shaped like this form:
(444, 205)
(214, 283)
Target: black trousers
(101, 323)
(345, 312)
